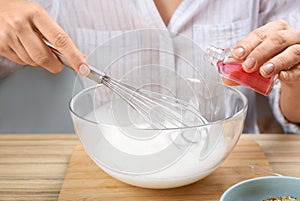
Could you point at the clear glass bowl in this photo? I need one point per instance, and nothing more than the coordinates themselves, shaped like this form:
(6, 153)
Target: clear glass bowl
(153, 158)
(174, 68)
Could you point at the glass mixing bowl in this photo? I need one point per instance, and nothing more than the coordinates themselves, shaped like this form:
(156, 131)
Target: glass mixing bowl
(172, 67)
(157, 158)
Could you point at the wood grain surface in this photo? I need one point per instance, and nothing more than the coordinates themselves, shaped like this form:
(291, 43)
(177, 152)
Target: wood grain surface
(33, 166)
(86, 181)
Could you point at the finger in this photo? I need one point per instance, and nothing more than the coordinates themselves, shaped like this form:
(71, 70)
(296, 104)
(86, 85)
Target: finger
(7, 49)
(61, 41)
(273, 45)
(291, 75)
(282, 62)
(254, 38)
(38, 51)
(19, 50)
(11, 55)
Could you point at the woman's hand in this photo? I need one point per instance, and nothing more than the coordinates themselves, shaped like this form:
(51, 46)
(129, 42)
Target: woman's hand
(23, 27)
(274, 49)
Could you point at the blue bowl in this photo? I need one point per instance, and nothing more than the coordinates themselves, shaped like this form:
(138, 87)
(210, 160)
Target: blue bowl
(261, 188)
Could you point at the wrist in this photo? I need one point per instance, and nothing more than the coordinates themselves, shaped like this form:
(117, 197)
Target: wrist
(289, 101)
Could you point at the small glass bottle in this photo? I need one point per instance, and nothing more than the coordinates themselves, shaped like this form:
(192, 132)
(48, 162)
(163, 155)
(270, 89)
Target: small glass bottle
(232, 69)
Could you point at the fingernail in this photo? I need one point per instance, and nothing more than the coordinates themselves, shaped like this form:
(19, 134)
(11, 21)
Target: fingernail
(268, 68)
(84, 70)
(238, 52)
(249, 64)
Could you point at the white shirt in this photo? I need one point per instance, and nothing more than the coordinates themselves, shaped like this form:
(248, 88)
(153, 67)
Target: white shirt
(219, 23)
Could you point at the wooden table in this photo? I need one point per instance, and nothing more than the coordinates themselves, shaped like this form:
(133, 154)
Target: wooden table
(32, 167)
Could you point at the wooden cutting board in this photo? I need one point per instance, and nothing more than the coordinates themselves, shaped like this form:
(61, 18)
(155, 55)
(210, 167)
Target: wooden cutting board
(86, 181)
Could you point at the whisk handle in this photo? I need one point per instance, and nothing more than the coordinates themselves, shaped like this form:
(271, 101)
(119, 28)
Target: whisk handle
(94, 74)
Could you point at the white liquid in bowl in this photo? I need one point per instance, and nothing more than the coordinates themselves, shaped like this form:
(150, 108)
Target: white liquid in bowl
(151, 159)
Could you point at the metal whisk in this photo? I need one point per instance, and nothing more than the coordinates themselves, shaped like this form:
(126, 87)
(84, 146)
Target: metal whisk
(158, 110)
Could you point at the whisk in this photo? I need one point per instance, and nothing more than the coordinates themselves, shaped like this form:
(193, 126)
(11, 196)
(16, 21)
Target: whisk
(158, 110)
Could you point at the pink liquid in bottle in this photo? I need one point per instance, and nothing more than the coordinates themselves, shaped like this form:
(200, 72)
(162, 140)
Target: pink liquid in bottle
(234, 71)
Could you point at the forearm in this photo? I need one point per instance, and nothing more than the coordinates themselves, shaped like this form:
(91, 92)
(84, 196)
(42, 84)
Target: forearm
(290, 100)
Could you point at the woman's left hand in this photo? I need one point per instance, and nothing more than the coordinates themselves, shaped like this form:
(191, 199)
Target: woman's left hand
(274, 49)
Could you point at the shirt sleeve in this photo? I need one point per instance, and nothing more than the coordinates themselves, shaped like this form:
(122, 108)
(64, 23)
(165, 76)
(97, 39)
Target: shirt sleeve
(287, 126)
(287, 10)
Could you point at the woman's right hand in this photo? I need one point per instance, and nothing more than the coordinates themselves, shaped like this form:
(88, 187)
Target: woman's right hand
(23, 27)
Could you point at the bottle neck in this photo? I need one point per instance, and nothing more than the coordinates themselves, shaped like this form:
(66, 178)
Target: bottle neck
(215, 55)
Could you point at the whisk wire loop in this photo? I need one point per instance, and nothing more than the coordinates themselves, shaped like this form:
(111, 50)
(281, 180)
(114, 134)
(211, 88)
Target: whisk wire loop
(158, 110)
